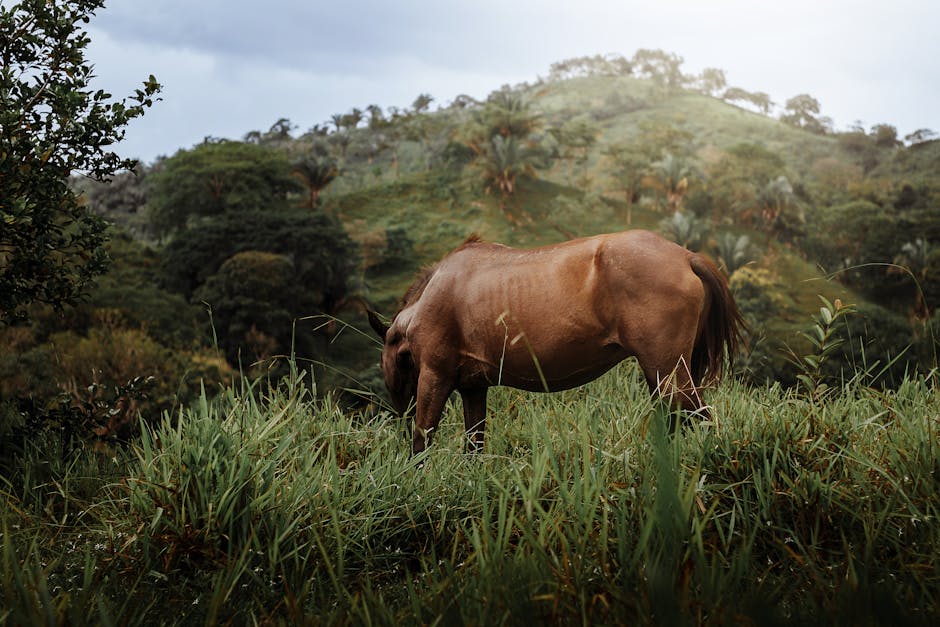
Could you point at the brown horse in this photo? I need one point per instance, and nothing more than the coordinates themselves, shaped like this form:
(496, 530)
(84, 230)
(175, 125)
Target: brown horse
(553, 318)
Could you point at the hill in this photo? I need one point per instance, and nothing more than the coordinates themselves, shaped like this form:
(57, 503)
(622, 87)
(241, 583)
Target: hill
(790, 208)
(731, 155)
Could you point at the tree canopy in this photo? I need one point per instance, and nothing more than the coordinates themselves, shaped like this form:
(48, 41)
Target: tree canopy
(215, 177)
(53, 125)
(322, 254)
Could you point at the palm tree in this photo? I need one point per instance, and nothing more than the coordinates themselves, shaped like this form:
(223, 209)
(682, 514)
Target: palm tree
(504, 160)
(338, 121)
(670, 177)
(506, 114)
(684, 229)
(733, 251)
(422, 103)
(376, 117)
(774, 200)
(315, 173)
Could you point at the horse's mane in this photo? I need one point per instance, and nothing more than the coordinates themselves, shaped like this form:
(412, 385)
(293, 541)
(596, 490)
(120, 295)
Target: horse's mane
(424, 275)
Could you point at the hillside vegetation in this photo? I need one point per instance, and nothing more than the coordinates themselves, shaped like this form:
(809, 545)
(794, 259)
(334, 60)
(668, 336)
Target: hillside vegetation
(232, 255)
(205, 437)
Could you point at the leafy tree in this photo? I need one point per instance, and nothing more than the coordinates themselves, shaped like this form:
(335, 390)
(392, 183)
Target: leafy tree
(736, 94)
(53, 125)
(500, 134)
(885, 136)
(919, 136)
(662, 67)
(399, 247)
(422, 103)
(712, 81)
(353, 118)
(759, 99)
(376, 117)
(338, 121)
(322, 254)
(576, 136)
(339, 143)
(610, 65)
(218, 177)
(862, 147)
(762, 101)
(850, 235)
(254, 301)
(627, 167)
(122, 201)
(425, 130)
(506, 114)
(803, 111)
(734, 180)
(278, 134)
(260, 271)
(463, 101)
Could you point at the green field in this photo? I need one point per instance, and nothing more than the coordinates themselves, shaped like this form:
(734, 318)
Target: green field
(280, 508)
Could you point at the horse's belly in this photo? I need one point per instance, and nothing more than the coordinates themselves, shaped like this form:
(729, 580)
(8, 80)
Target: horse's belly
(561, 366)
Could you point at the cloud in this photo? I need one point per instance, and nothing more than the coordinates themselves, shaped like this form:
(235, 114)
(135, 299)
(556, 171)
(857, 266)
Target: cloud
(233, 66)
(337, 37)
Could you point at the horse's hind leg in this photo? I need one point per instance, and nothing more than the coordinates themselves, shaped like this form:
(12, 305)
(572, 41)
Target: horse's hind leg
(678, 388)
(668, 371)
(474, 417)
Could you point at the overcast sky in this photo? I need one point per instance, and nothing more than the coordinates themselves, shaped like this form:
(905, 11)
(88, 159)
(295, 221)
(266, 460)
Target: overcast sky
(232, 66)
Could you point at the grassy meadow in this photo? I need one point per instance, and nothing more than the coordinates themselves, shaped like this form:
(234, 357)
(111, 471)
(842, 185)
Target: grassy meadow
(278, 507)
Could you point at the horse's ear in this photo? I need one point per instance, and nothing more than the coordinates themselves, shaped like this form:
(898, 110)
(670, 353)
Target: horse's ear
(377, 325)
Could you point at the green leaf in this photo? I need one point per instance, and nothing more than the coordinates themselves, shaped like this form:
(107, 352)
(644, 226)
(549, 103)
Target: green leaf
(807, 381)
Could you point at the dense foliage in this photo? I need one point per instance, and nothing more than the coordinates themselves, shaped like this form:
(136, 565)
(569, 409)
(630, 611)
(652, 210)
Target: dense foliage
(53, 125)
(215, 178)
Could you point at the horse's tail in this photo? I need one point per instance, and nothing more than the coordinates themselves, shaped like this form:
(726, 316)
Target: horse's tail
(722, 330)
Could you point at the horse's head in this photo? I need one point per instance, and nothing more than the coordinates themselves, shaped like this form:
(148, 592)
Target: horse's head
(398, 366)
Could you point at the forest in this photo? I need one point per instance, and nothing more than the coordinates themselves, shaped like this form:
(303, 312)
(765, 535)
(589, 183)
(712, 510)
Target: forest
(214, 319)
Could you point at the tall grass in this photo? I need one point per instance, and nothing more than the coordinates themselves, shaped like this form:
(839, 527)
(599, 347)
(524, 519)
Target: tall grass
(583, 509)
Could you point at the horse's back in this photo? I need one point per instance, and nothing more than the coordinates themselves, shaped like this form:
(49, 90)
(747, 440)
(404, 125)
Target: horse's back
(588, 280)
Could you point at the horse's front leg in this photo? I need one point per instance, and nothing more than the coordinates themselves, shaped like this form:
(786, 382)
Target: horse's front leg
(433, 391)
(474, 417)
